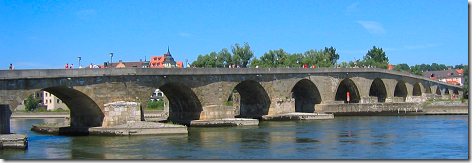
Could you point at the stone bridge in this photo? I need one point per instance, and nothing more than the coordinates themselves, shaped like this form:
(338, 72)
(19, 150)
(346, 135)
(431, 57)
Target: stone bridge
(203, 93)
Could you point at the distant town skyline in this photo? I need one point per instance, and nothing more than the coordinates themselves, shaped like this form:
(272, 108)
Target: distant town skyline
(39, 35)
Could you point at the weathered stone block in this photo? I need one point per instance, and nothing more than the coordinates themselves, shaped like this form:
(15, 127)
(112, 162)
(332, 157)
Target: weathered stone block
(122, 112)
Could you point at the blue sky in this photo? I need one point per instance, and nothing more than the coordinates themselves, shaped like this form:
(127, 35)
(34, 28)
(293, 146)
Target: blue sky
(49, 34)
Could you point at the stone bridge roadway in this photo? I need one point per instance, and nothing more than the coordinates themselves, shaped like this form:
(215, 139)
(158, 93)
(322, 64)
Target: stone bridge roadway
(202, 93)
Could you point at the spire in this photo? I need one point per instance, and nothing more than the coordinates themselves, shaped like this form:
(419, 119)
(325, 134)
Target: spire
(168, 51)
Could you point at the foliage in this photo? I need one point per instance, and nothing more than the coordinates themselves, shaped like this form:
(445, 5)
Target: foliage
(403, 67)
(374, 58)
(242, 55)
(343, 65)
(31, 103)
(416, 70)
(332, 55)
(377, 55)
(229, 103)
(272, 59)
(155, 105)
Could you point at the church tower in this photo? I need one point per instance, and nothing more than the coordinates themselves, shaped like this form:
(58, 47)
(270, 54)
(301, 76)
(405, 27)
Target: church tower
(168, 60)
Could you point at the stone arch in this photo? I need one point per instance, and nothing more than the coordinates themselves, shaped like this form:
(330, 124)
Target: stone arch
(84, 112)
(456, 91)
(345, 86)
(417, 89)
(427, 89)
(377, 89)
(446, 91)
(306, 95)
(438, 90)
(184, 105)
(254, 100)
(400, 90)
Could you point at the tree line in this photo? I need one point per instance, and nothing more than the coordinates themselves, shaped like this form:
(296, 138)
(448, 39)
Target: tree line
(243, 56)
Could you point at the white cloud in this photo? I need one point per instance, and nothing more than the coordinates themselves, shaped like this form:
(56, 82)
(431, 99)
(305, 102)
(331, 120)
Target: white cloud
(182, 34)
(372, 27)
(421, 46)
(351, 8)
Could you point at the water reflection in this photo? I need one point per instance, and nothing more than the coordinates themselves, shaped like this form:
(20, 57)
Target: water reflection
(402, 137)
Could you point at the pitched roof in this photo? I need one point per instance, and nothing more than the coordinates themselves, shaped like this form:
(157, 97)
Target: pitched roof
(442, 74)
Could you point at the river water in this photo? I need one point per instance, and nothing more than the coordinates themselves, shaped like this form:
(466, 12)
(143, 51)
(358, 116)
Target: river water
(344, 137)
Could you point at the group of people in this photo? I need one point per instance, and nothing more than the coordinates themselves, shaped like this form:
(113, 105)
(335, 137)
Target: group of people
(69, 66)
(72, 65)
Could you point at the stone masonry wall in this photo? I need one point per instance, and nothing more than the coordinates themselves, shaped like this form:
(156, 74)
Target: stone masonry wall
(121, 112)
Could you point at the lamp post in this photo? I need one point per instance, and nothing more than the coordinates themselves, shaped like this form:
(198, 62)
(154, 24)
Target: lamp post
(111, 60)
(216, 62)
(79, 58)
(186, 64)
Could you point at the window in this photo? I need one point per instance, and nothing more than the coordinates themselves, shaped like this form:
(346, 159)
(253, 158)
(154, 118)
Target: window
(58, 101)
(50, 101)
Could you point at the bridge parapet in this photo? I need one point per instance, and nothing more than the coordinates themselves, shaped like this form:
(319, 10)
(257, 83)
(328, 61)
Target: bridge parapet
(65, 73)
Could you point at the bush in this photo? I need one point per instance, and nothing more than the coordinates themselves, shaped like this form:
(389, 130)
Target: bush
(155, 105)
(31, 103)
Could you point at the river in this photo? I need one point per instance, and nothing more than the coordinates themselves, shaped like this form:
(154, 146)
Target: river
(344, 137)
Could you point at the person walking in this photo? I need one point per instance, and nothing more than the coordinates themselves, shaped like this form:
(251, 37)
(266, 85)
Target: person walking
(11, 67)
(67, 66)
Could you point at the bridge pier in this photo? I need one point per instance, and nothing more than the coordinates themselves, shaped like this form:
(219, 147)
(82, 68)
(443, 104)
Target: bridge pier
(5, 114)
(121, 112)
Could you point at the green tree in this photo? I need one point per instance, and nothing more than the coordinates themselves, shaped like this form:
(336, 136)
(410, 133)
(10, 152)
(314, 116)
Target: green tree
(255, 62)
(344, 65)
(31, 103)
(403, 67)
(225, 57)
(268, 60)
(274, 58)
(376, 54)
(323, 60)
(461, 66)
(416, 70)
(333, 56)
(242, 54)
(375, 57)
(309, 57)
